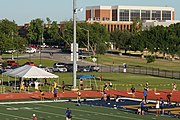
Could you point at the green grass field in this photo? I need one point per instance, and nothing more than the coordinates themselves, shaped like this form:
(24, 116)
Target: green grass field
(119, 60)
(56, 111)
(121, 81)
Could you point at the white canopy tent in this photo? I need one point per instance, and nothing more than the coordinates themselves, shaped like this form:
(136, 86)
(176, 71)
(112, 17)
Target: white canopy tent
(28, 71)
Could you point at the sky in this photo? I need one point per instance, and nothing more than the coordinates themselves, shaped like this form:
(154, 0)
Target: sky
(23, 11)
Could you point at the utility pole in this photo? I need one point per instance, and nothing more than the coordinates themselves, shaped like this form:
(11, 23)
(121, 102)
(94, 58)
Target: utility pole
(74, 43)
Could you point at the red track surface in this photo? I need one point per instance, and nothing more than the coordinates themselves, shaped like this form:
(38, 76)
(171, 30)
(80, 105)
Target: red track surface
(91, 94)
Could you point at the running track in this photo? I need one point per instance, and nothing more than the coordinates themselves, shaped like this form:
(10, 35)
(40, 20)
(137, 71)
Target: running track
(91, 94)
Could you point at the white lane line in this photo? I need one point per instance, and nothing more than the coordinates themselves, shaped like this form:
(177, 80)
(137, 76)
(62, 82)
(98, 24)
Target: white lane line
(49, 113)
(15, 116)
(92, 112)
(57, 114)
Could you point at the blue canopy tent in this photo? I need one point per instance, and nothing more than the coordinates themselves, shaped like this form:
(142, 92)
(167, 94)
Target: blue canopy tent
(85, 77)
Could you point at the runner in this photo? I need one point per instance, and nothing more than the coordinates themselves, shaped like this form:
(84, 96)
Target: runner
(133, 90)
(42, 95)
(68, 114)
(78, 97)
(55, 94)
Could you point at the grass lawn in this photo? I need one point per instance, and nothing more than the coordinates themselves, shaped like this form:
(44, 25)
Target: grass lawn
(125, 81)
(121, 81)
(56, 111)
(119, 60)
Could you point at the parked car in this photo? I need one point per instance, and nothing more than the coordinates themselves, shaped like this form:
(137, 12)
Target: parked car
(45, 68)
(30, 63)
(59, 64)
(84, 69)
(12, 63)
(59, 69)
(30, 50)
(10, 51)
(94, 68)
(69, 67)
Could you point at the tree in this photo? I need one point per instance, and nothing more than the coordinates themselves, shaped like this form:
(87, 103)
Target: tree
(137, 25)
(8, 30)
(35, 30)
(123, 39)
(97, 35)
(52, 32)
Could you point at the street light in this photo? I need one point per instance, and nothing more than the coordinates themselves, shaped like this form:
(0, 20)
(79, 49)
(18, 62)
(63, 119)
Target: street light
(75, 10)
(88, 37)
(12, 57)
(41, 42)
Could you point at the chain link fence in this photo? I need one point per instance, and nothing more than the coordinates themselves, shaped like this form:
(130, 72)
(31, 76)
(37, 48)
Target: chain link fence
(142, 70)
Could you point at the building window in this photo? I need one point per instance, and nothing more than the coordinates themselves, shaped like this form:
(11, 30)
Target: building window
(114, 15)
(135, 14)
(166, 15)
(123, 15)
(156, 15)
(145, 14)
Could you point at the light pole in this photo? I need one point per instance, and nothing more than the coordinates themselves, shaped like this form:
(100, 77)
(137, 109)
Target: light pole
(74, 43)
(88, 37)
(12, 57)
(75, 10)
(41, 43)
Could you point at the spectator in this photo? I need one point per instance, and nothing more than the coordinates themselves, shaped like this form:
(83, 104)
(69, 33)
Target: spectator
(110, 84)
(157, 107)
(169, 98)
(36, 83)
(63, 86)
(55, 84)
(81, 84)
(133, 90)
(45, 81)
(124, 67)
(68, 114)
(34, 117)
(174, 86)
(145, 95)
(142, 104)
(105, 86)
(22, 85)
(139, 111)
(147, 85)
(162, 106)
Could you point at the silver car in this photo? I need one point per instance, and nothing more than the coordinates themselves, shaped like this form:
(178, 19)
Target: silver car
(59, 69)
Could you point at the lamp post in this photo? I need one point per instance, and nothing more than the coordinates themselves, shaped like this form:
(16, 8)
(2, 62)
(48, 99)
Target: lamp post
(12, 57)
(88, 37)
(75, 10)
(74, 43)
(41, 44)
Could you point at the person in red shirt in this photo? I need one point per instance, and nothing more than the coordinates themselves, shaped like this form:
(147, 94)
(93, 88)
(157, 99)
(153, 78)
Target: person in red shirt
(34, 117)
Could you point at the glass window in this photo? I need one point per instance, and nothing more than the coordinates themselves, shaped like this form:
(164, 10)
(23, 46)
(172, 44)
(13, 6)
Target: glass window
(135, 14)
(166, 15)
(124, 15)
(156, 15)
(114, 15)
(145, 14)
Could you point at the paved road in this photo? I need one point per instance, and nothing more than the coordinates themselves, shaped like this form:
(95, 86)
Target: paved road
(64, 57)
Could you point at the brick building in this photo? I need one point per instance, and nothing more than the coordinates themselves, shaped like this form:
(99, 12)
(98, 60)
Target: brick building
(122, 17)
